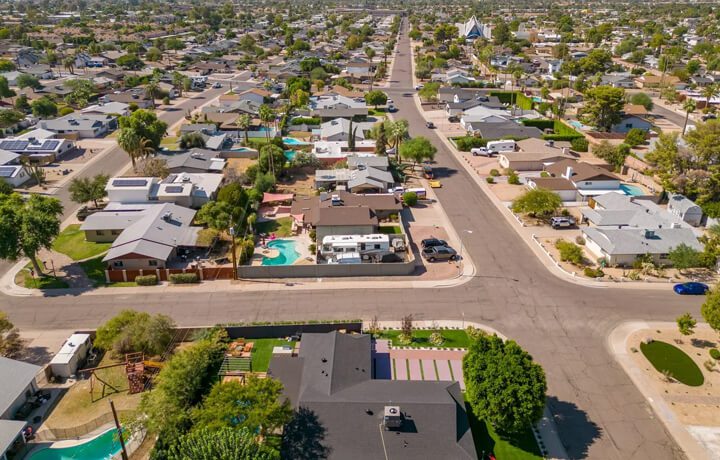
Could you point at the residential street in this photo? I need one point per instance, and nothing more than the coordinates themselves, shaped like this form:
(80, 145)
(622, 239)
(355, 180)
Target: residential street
(599, 412)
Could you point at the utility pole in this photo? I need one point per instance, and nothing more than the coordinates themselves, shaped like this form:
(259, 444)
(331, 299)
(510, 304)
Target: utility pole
(119, 431)
(234, 256)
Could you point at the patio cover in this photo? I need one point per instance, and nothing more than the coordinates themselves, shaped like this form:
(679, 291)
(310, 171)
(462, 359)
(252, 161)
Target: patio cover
(273, 197)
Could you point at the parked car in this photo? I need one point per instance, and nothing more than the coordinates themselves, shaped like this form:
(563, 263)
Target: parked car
(430, 125)
(419, 87)
(390, 101)
(562, 222)
(86, 211)
(709, 116)
(691, 288)
(454, 119)
(430, 242)
(482, 152)
(434, 253)
(435, 184)
(428, 172)
(391, 108)
(217, 85)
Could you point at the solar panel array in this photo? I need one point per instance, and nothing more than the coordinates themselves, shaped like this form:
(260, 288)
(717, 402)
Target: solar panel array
(129, 182)
(14, 145)
(49, 145)
(6, 171)
(174, 189)
(22, 145)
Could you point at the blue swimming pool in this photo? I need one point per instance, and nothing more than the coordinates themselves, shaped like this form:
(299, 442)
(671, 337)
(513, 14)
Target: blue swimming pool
(289, 154)
(576, 124)
(293, 141)
(632, 190)
(102, 447)
(288, 253)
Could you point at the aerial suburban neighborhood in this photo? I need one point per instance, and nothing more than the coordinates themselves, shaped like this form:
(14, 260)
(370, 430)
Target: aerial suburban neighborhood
(380, 230)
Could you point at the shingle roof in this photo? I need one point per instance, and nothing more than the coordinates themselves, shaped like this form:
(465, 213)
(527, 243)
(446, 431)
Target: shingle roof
(346, 216)
(640, 241)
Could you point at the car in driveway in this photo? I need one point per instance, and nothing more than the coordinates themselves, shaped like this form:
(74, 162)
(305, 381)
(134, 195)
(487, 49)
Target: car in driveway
(430, 242)
(419, 87)
(562, 222)
(434, 253)
(691, 288)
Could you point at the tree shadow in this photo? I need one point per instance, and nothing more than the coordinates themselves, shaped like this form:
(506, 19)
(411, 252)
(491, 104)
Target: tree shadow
(303, 436)
(576, 430)
(702, 343)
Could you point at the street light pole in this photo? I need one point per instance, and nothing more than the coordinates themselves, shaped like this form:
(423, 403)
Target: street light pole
(234, 256)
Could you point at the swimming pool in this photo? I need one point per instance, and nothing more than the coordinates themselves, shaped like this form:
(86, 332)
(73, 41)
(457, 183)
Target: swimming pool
(293, 141)
(576, 124)
(288, 253)
(632, 190)
(102, 447)
(289, 154)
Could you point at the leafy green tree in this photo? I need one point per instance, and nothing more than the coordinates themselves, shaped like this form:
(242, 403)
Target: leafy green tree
(81, 91)
(381, 141)
(257, 405)
(537, 202)
(10, 341)
(28, 225)
(704, 141)
(710, 310)
(417, 150)
(429, 92)
(22, 104)
(612, 154)
(686, 324)
(237, 197)
(397, 131)
(264, 182)
(153, 54)
(130, 61)
(85, 189)
(666, 155)
(635, 136)
(27, 81)
(504, 386)
(6, 65)
(216, 215)
(144, 124)
(501, 33)
(376, 98)
(271, 157)
(683, 257)
(603, 106)
(5, 90)
(191, 141)
(134, 331)
(221, 444)
(44, 107)
(642, 99)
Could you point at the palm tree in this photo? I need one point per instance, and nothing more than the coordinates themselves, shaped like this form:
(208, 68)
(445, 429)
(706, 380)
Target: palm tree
(398, 130)
(267, 116)
(243, 122)
(689, 106)
(709, 92)
(69, 64)
(134, 145)
(151, 90)
(177, 80)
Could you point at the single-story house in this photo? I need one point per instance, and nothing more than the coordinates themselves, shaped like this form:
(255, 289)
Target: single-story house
(623, 246)
(333, 380)
(186, 189)
(193, 161)
(617, 210)
(629, 122)
(589, 180)
(152, 239)
(503, 130)
(563, 187)
(354, 180)
(111, 108)
(11, 171)
(82, 125)
(17, 380)
(339, 130)
(37, 150)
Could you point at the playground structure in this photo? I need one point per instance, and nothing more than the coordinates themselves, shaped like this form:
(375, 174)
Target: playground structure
(138, 370)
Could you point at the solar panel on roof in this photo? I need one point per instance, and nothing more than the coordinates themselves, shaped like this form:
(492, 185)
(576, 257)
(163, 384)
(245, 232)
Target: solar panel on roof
(174, 189)
(14, 145)
(6, 171)
(49, 145)
(130, 182)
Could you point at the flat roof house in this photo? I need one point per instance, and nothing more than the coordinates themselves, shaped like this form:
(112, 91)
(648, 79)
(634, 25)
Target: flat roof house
(332, 380)
(37, 150)
(83, 125)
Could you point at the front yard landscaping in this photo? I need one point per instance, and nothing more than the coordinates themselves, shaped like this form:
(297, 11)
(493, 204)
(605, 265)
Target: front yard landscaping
(453, 338)
(390, 229)
(71, 242)
(95, 270)
(670, 360)
(519, 447)
(25, 279)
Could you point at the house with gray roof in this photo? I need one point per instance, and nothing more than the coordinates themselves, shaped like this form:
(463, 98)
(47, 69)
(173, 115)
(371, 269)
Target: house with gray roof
(193, 161)
(685, 209)
(622, 246)
(367, 179)
(82, 125)
(17, 380)
(338, 129)
(332, 382)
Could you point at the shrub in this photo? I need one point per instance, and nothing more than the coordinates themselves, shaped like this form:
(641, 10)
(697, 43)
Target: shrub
(580, 240)
(715, 353)
(306, 121)
(404, 339)
(184, 278)
(569, 252)
(513, 179)
(593, 272)
(312, 248)
(490, 180)
(65, 111)
(312, 234)
(247, 249)
(410, 198)
(436, 339)
(166, 100)
(474, 332)
(579, 145)
(146, 280)
(544, 174)
(494, 172)
(465, 144)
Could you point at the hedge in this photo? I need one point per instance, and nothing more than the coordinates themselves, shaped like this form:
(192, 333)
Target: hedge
(146, 280)
(561, 131)
(184, 278)
(506, 97)
(715, 353)
(466, 143)
(541, 124)
(306, 121)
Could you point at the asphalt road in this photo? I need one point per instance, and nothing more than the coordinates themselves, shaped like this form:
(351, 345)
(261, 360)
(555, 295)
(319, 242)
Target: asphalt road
(600, 414)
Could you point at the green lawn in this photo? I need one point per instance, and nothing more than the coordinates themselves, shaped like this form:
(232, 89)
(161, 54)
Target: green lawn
(520, 447)
(454, 338)
(71, 242)
(390, 229)
(46, 282)
(262, 352)
(256, 141)
(377, 112)
(95, 270)
(280, 227)
(669, 358)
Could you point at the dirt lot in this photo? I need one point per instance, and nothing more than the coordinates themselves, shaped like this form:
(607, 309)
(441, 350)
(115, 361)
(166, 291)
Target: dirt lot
(301, 182)
(239, 164)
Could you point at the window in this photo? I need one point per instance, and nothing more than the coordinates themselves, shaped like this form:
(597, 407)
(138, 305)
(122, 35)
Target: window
(628, 125)
(377, 246)
(114, 232)
(99, 232)
(152, 263)
(117, 263)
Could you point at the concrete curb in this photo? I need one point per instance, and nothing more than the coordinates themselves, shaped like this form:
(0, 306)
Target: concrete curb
(616, 344)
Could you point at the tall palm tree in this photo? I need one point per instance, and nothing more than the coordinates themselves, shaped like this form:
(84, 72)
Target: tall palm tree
(398, 130)
(243, 122)
(709, 92)
(134, 145)
(151, 91)
(69, 64)
(689, 106)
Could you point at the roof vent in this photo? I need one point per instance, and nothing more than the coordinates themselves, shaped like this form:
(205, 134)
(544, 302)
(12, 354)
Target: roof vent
(167, 216)
(649, 234)
(392, 418)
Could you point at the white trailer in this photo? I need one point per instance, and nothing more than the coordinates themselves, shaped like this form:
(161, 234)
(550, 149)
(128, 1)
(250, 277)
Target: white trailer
(65, 363)
(332, 245)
